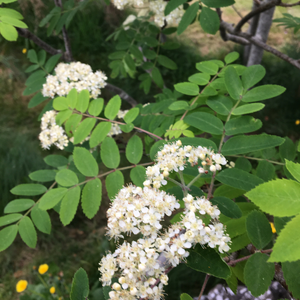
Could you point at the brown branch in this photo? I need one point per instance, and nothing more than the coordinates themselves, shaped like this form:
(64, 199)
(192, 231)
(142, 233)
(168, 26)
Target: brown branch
(233, 262)
(258, 10)
(68, 53)
(203, 286)
(253, 40)
(122, 94)
(289, 5)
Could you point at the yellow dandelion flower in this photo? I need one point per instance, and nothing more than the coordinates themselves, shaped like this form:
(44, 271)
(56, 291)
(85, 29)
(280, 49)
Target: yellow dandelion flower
(21, 286)
(24, 50)
(273, 227)
(297, 122)
(52, 290)
(43, 269)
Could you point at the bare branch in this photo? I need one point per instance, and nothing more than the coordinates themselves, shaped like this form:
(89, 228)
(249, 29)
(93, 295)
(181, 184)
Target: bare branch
(68, 53)
(289, 5)
(122, 94)
(259, 43)
(235, 9)
(261, 8)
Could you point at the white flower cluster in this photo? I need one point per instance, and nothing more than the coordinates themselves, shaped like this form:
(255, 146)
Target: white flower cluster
(173, 157)
(143, 265)
(74, 75)
(139, 210)
(157, 7)
(52, 133)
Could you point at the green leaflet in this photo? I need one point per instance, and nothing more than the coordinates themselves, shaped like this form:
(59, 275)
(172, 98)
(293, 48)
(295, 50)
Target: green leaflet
(185, 297)
(42, 175)
(8, 219)
(91, 197)
(287, 150)
(83, 130)
(238, 179)
(243, 164)
(258, 274)
(112, 108)
(258, 229)
(265, 170)
(232, 56)
(246, 144)
(208, 261)
(80, 285)
(99, 133)
(85, 162)
(51, 198)
(248, 109)
(200, 78)
(187, 88)
(227, 207)
(173, 4)
(218, 3)
(220, 104)
(188, 17)
(41, 219)
(294, 169)
(287, 244)
(179, 105)
(209, 20)
(60, 103)
(207, 67)
(7, 236)
(131, 115)
(252, 75)
(66, 177)
(28, 189)
(110, 153)
(96, 107)
(263, 92)
(72, 123)
(72, 98)
(205, 121)
(114, 182)
(69, 204)
(138, 175)
(243, 124)
(134, 150)
(233, 83)
(62, 116)
(291, 275)
(18, 205)
(278, 197)
(166, 62)
(28, 232)
(83, 100)
(56, 160)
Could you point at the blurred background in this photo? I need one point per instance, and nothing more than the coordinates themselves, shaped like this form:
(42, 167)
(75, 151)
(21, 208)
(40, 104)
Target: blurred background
(82, 243)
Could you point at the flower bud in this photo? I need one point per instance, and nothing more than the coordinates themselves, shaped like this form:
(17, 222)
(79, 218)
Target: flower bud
(116, 286)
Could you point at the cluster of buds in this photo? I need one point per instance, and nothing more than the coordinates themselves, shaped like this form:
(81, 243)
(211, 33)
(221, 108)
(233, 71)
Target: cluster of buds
(74, 75)
(174, 157)
(51, 133)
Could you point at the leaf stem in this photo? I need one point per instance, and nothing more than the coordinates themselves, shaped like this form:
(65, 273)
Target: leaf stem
(194, 180)
(203, 286)
(233, 262)
(255, 158)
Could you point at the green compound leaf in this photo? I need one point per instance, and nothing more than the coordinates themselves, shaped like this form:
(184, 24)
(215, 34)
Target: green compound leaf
(294, 169)
(7, 236)
(138, 175)
(99, 133)
(205, 121)
(248, 109)
(56, 160)
(218, 3)
(18, 205)
(263, 92)
(287, 244)
(220, 104)
(114, 182)
(291, 273)
(243, 124)
(83, 100)
(287, 150)
(207, 67)
(28, 232)
(185, 297)
(200, 78)
(233, 83)
(187, 88)
(239, 179)
(91, 197)
(157, 78)
(62, 116)
(85, 162)
(5, 220)
(265, 170)
(66, 177)
(96, 107)
(258, 274)
(227, 207)
(208, 261)
(109, 153)
(173, 4)
(84, 129)
(245, 144)
(41, 219)
(209, 20)
(51, 198)
(80, 286)
(8, 31)
(69, 204)
(166, 62)
(112, 108)
(231, 57)
(188, 17)
(36, 100)
(278, 197)
(252, 75)
(134, 150)
(28, 189)
(60, 103)
(131, 115)
(258, 229)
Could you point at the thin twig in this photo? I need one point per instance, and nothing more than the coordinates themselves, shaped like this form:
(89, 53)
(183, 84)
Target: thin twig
(122, 94)
(255, 158)
(235, 9)
(203, 286)
(233, 262)
(289, 5)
